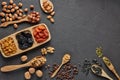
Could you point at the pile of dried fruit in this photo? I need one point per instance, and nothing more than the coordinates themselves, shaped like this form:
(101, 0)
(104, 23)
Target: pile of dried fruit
(8, 46)
(40, 33)
(68, 72)
(24, 40)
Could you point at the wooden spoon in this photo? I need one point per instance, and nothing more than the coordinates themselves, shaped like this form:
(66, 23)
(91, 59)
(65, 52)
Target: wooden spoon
(110, 66)
(102, 74)
(32, 17)
(41, 3)
(65, 59)
(35, 62)
(5, 24)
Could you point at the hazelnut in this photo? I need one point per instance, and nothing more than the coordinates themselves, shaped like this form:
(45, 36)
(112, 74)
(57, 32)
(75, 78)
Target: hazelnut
(26, 10)
(9, 7)
(11, 19)
(14, 5)
(7, 18)
(8, 11)
(10, 15)
(49, 16)
(11, 2)
(39, 73)
(15, 15)
(32, 70)
(3, 20)
(24, 58)
(2, 14)
(20, 4)
(5, 6)
(20, 10)
(4, 10)
(31, 7)
(27, 75)
(4, 3)
(20, 14)
(16, 8)
(16, 26)
(12, 10)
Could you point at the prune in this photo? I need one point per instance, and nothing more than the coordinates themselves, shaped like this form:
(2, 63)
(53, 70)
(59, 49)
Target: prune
(24, 39)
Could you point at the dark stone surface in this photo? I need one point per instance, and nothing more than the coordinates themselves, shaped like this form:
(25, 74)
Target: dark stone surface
(80, 26)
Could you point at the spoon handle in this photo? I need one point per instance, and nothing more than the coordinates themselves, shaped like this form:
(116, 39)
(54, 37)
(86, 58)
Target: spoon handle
(5, 24)
(13, 67)
(116, 74)
(104, 74)
(53, 75)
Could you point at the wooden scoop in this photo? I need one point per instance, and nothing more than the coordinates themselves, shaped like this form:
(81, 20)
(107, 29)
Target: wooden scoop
(102, 74)
(35, 62)
(65, 59)
(110, 66)
(41, 3)
(32, 17)
(5, 24)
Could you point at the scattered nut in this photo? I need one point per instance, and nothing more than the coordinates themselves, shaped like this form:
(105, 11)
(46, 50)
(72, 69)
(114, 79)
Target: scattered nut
(31, 7)
(27, 75)
(52, 20)
(26, 9)
(24, 58)
(44, 51)
(49, 16)
(39, 73)
(50, 49)
(11, 2)
(52, 13)
(4, 3)
(20, 4)
(32, 70)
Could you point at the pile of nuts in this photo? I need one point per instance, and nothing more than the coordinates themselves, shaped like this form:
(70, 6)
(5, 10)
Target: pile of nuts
(11, 12)
(8, 46)
(40, 33)
(44, 51)
(48, 7)
(34, 17)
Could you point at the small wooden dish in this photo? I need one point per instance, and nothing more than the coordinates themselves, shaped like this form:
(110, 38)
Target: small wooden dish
(35, 44)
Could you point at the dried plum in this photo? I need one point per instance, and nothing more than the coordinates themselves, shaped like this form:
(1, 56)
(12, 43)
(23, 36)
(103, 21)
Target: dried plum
(24, 39)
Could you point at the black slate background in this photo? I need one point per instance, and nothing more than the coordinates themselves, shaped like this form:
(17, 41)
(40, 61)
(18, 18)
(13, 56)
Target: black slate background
(80, 26)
